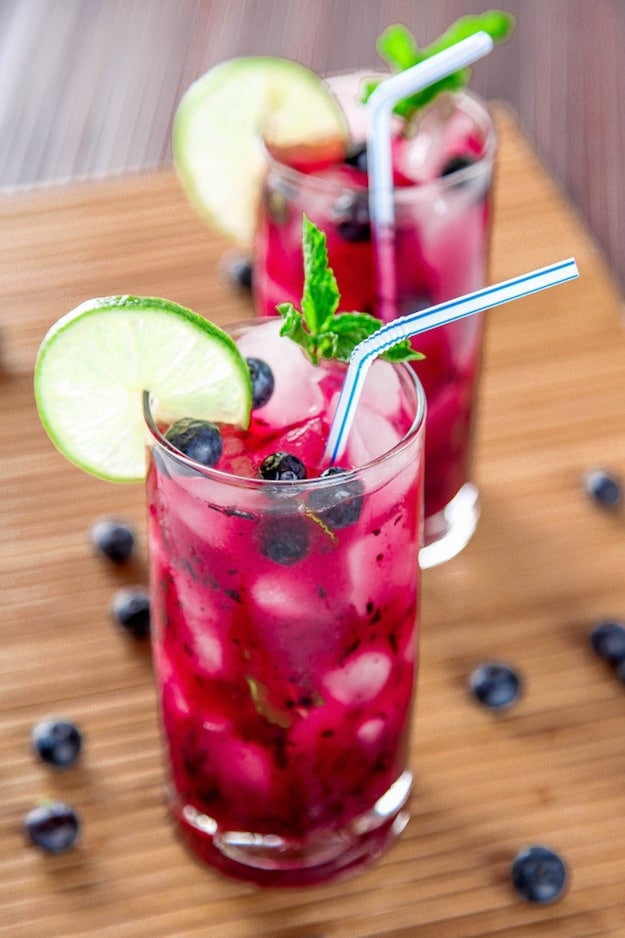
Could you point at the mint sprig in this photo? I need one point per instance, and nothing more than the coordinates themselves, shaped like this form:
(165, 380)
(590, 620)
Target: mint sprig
(317, 327)
(399, 49)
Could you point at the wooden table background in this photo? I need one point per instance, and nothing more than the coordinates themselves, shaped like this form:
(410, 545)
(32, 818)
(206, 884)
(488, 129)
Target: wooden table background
(544, 565)
(91, 87)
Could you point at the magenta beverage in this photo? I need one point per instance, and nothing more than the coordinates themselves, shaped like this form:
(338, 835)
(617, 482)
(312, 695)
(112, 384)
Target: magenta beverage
(442, 174)
(284, 621)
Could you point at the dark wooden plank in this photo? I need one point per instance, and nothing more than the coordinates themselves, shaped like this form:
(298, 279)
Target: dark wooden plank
(89, 88)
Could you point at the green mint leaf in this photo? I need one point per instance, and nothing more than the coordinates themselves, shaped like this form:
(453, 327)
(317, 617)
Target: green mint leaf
(318, 328)
(293, 324)
(397, 46)
(403, 352)
(320, 298)
(312, 326)
(352, 328)
(399, 49)
(276, 714)
(496, 23)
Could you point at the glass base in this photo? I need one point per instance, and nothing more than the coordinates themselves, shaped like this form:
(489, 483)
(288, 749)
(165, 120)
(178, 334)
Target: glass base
(449, 531)
(269, 860)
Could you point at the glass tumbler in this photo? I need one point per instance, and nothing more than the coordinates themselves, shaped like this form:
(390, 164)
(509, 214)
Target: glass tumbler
(284, 631)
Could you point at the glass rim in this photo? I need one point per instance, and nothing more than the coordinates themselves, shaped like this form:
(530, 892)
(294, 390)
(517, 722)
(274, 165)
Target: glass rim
(291, 486)
(404, 193)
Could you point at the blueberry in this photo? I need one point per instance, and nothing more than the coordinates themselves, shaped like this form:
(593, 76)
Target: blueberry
(284, 540)
(57, 741)
(604, 488)
(495, 685)
(357, 157)
(131, 609)
(350, 216)
(54, 827)
(455, 163)
(282, 467)
(608, 640)
(200, 440)
(115, 539)
(340, 506)
(262, 381)
(240, 272)
(539, 874)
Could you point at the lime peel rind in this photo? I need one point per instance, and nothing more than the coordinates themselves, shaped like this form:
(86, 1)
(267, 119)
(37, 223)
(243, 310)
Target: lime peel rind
(95, 362)
(220, 125)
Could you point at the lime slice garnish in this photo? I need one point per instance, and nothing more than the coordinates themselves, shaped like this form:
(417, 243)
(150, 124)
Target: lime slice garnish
(227, 117)
(95, 362)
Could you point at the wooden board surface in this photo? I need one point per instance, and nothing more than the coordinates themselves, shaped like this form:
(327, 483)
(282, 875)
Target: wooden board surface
(544, 565)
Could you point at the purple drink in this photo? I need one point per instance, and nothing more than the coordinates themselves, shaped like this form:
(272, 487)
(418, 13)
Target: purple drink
(284, 626)
(442, 212)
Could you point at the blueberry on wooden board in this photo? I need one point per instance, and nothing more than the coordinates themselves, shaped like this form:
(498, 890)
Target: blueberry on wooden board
(539, 874)
(57, 741)
(131, 609)
(54, 826)
(113, 538)
(495, 685)
(608, 640)
(604, 488)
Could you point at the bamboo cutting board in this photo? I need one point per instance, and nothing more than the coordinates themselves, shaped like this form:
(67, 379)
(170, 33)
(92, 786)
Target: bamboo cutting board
(544, 566)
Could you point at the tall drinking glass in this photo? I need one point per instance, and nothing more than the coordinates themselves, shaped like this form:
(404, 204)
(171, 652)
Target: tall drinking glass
(442, 200)
(285, 638)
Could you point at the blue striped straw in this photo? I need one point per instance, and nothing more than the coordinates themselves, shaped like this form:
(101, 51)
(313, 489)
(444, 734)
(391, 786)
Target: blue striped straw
(421, 321)
(379, 154)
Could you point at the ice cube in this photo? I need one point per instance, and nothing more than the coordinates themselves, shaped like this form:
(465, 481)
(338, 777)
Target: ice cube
(292, 617)
(382, 389)
(347, 88)
(216, 723)
(195, 630)
(360, 679)
(174, 701)
(371, 436)
(243, 765)
(297, 393)
(421, 157)
(207, 647)
(171, 691)
(389, 557)
(370, 731)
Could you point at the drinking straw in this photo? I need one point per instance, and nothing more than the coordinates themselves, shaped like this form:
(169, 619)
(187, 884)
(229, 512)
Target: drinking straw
(422, 320)
(379, 156)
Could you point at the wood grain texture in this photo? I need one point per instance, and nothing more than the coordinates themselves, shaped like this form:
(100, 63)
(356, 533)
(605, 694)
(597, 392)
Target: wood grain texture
(543, 566)
(91, 88)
